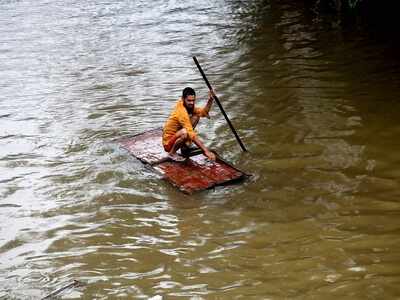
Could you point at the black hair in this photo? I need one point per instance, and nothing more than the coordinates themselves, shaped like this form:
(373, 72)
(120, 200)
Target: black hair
(188, 91)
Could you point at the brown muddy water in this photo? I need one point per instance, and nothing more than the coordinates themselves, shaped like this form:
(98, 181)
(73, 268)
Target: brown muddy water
(317, 106)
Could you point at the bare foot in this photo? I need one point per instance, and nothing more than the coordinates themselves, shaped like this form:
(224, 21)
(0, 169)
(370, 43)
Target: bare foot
(176, 157)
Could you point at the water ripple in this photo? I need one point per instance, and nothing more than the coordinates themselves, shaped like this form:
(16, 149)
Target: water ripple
(316, 106)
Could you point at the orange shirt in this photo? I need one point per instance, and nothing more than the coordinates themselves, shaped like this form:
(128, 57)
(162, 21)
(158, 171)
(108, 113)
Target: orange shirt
(179, 119)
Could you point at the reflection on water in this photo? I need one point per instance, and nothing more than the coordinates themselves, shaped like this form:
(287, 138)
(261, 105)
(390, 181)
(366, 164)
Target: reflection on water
(315, 104)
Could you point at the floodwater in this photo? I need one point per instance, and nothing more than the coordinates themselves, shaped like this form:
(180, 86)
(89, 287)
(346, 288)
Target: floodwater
(317, 106)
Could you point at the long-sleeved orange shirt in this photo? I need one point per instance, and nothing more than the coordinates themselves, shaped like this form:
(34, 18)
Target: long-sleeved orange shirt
(179, 119)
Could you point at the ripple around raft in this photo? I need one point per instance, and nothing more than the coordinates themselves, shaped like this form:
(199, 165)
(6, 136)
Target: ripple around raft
(319, 216)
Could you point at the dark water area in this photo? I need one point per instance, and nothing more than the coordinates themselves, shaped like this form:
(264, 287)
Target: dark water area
(316, 103)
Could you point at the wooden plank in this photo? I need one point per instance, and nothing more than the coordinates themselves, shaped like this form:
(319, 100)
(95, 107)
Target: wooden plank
(194, 174)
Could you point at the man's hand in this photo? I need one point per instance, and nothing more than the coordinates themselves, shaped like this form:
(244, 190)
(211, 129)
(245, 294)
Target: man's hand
(210, 155)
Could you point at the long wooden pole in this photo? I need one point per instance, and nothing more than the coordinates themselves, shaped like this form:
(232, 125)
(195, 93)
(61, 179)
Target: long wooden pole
(219, 104)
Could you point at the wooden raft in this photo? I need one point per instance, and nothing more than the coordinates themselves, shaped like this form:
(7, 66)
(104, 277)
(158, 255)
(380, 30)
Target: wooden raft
(196, 173)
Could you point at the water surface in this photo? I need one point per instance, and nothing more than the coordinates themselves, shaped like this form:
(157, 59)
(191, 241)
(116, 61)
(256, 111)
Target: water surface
(317, 106)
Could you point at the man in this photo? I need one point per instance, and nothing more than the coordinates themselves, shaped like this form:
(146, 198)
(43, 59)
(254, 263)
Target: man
(178, 132)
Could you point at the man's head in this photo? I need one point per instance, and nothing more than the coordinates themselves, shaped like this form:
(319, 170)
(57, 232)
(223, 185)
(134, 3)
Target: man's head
(189, 97)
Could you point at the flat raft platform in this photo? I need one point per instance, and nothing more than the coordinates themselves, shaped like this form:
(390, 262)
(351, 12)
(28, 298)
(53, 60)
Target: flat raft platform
(196, 173)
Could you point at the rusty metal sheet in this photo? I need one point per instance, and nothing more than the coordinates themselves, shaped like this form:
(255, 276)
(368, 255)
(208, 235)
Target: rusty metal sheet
(195, 174)
(146, 146)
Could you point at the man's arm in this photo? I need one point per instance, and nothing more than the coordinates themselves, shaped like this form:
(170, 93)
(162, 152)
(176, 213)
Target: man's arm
(207, 107)
(206, 152)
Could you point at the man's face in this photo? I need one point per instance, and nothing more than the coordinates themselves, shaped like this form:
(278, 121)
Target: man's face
(189, 101)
